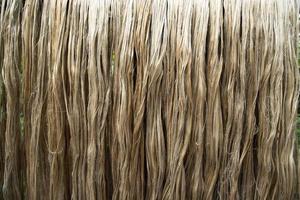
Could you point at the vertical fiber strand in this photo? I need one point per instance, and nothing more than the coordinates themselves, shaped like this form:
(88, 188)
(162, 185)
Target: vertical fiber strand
(195, 176)
(233, 95)
(56, 114)
(248, 59)
(99, 93)
(287, 187)
(35, 70)
(155, 139)
(214, 122)
(266, 135)
(142, 55)
(2, 97)
(12, 180)
(179, 130)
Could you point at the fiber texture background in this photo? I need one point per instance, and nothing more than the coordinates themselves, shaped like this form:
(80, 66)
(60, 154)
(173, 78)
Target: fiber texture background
(148, 99)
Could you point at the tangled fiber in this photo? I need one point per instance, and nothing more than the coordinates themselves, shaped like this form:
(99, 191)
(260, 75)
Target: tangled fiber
(148, 99)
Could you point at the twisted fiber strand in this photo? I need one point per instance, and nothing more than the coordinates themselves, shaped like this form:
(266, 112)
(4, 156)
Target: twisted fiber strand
(233, 82)
(35, 70)
(73, 94)
(178, 131)
(214, 122)
(56, 112)
(12, 179)
(155, 136)
(248, 43)
(122, 99)
(76, 96)
(276, 97)
(99, 99)
(117, 14)
(194, 163)
(2, 96)
(137, 172)
(267, 119)
(289, 110)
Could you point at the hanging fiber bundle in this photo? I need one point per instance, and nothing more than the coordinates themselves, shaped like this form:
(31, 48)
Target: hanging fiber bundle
(149, 99)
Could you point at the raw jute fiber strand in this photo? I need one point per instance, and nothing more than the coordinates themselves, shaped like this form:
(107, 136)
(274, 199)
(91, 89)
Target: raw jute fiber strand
(10, 45)
(149, 99)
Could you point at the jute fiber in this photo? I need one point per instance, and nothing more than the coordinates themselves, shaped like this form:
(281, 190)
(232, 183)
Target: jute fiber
(149, 99)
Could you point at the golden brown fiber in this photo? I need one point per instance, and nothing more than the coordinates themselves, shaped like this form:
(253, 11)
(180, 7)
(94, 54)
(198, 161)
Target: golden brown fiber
(148, 99)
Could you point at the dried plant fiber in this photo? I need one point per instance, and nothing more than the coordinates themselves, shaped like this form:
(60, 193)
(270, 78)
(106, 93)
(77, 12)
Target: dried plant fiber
(149, 99)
